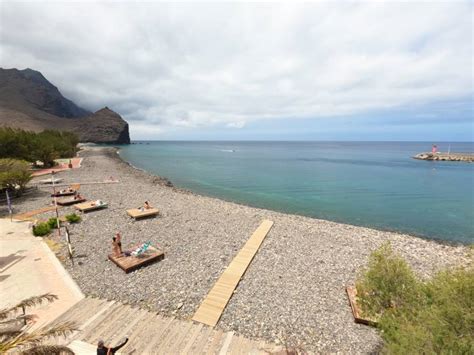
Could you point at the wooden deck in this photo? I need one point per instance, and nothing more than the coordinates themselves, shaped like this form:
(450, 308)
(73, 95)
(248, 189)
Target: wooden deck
(211, 309)
(69, 201)
(149, 333)
(89, 206)
(138, 213)
(74, 188)
(130, 263)
(358, 318)
(62, 194)
(27, 215)
(50, 181)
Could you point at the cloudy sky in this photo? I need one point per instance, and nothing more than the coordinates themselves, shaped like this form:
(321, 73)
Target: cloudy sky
(322, 71)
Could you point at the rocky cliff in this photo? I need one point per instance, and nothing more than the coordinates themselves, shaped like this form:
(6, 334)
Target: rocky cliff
(105, 126)
(29, 101)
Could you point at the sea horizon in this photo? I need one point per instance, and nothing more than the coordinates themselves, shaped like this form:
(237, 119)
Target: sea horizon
(388, 190)
(297, 140)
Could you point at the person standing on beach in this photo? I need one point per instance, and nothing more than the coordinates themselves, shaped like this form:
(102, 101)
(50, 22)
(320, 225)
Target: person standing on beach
(117, 245)
(434, 149)
(103, 350)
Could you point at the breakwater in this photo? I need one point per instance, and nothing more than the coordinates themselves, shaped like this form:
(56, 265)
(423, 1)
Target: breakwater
(440, 156)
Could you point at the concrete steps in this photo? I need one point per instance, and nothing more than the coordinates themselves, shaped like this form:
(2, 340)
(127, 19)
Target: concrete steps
(150, 333)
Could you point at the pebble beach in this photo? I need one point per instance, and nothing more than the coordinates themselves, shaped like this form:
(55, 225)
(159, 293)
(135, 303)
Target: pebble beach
(293, 291)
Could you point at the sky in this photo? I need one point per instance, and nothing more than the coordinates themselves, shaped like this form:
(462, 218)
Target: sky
(343, 70)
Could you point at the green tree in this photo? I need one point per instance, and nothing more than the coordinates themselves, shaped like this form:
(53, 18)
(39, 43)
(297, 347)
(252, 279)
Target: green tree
(44, 146)
(14, 174)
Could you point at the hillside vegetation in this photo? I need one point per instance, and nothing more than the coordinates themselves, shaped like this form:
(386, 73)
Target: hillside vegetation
(44, 146)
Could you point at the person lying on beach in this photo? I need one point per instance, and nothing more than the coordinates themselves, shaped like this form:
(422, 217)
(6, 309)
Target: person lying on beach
(103, 350)
(78, 196)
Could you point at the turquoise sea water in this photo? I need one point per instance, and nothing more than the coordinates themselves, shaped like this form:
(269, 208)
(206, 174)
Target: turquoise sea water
(373, 184)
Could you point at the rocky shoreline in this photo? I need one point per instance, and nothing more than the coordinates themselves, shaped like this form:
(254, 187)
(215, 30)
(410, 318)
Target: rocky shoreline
(293, 291)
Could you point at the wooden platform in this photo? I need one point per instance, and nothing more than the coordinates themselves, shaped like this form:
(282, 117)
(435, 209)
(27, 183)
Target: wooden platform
(130, 263)
(27, 215)
(358, 318)
(50, 181)
(210, 310)
(149, 332)
(89, 206)
(138, 213)
(73, 187)
(69, 201)
(62, 194)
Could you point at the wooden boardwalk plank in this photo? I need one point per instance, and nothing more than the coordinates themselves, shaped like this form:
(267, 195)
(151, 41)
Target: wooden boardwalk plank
(210, 310)
(28, 215)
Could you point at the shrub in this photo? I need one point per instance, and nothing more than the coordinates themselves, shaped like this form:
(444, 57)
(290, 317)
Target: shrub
(433, 317)
(41, 229)
(443, 324)
(73, 218)
(387, 283)
(14, 174)
(53, 223)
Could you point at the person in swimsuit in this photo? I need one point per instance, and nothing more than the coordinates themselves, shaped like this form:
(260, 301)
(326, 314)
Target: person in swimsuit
(117, 245)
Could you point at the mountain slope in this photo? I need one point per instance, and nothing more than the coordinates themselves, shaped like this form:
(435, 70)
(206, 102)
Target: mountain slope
(29, 101)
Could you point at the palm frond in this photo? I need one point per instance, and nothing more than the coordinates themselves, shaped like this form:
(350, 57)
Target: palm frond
(29, 302)
(7, 334)
(48, 350)
(30, 340)
(17, 319)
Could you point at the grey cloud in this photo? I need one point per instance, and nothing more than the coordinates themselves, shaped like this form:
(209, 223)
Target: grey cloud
(194, 65)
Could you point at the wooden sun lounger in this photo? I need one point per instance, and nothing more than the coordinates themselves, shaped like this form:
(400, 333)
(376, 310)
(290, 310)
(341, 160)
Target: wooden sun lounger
(130, 263)
(74, 188)
(61, 194)
(69, 201)
(89, 206)
(358, 318)
(138, 213)
(50, 181)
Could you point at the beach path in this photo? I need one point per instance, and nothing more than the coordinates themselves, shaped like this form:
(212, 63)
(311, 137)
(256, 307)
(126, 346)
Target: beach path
(64, 165)
(210, 310)
(28, 215)
(29, 268)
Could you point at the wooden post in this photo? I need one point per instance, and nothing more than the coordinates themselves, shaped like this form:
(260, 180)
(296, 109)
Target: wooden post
(56, 204)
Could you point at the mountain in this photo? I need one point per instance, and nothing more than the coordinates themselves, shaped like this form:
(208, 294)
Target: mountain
(29, 101)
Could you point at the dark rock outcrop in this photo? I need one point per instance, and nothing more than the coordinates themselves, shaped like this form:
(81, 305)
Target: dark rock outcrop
(104, 126)
(29, 101)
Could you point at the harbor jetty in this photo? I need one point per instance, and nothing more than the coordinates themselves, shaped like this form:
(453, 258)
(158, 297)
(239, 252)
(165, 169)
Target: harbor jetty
(466, 157)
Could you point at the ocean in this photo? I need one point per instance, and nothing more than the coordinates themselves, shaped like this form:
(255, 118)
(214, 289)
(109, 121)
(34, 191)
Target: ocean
(372, 184)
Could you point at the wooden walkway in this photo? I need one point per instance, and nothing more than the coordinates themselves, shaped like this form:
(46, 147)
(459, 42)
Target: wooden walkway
(149, 332)
(210, 310)
(27, 215)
